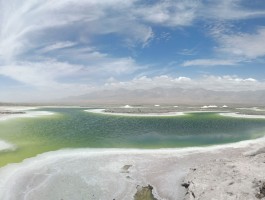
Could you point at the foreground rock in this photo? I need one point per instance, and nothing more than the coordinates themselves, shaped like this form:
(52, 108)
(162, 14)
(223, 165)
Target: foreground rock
(261, 192)
(144, 193)
(241, 178)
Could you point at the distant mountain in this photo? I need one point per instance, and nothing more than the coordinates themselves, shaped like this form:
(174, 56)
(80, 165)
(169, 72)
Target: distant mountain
(170, 96)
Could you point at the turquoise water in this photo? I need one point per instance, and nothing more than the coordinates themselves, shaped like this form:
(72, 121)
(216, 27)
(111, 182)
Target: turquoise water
(75, 128)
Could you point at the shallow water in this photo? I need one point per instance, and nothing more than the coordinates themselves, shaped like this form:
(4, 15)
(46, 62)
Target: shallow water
(75, 128)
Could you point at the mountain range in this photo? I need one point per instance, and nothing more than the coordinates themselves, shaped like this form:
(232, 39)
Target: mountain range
(169, 96)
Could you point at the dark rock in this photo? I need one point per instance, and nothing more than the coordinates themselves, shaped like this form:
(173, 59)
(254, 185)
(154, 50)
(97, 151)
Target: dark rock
(185, 185)
(144, 193)
(261, 193)
(125, 168)
(11, 112)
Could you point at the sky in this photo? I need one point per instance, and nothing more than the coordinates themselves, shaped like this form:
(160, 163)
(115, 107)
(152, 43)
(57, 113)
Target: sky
(54, 49)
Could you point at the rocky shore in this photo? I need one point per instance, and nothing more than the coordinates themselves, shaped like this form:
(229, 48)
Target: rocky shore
(238, 176)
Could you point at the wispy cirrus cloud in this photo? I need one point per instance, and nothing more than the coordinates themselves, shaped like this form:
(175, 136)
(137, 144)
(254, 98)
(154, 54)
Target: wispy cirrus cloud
(25, 22)
(169, 13)
(131, 19)
(30, 24)
(247, 45)
(40, 74)
(233, 46)
(79, 44)
(230, 10)
(51, 72)
(208, 62)
(188, 52)
(57, 46)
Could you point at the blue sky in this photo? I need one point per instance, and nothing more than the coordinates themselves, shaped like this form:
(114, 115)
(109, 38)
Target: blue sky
(53, 49)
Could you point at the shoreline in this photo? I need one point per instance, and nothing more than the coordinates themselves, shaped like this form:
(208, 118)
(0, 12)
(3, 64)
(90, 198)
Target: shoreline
(163, 169)
(169, 114)
(237, 115)
(25, 112)
(102, 111)
(82, 173)
(9, 113)
(162, 114)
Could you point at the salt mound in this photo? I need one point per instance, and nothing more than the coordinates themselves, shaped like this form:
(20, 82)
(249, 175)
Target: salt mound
(5, 146)
(210, 106)
(127, 106)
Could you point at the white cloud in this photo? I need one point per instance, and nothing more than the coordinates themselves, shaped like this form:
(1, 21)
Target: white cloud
(244, 44)
(208, 62)
(28, 24)
(230, 83)
(40, 74)
(229, 10)
(188, 52)
(51, 73)
(169, 13)
(144, 82)
(49, 80)
(216, 83)
(57, 45)
(50, 44)
(59, 90)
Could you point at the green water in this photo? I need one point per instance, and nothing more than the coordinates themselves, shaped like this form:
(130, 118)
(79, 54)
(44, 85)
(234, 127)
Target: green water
(75, 128)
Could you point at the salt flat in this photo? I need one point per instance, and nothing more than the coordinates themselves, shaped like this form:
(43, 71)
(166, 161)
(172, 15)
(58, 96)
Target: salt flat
(73, 174)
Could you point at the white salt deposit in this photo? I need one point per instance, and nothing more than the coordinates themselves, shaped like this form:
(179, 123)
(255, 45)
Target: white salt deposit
(102, 111)
(28, 112)
(5, 146)
(76, 174)
(127, 106)
(242, 115)
(210, 106)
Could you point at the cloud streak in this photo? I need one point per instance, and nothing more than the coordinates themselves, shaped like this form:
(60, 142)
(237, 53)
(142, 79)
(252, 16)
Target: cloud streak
(230, 10)
(247, 45)
(208, 62)
(53, 45)
(30, 24)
